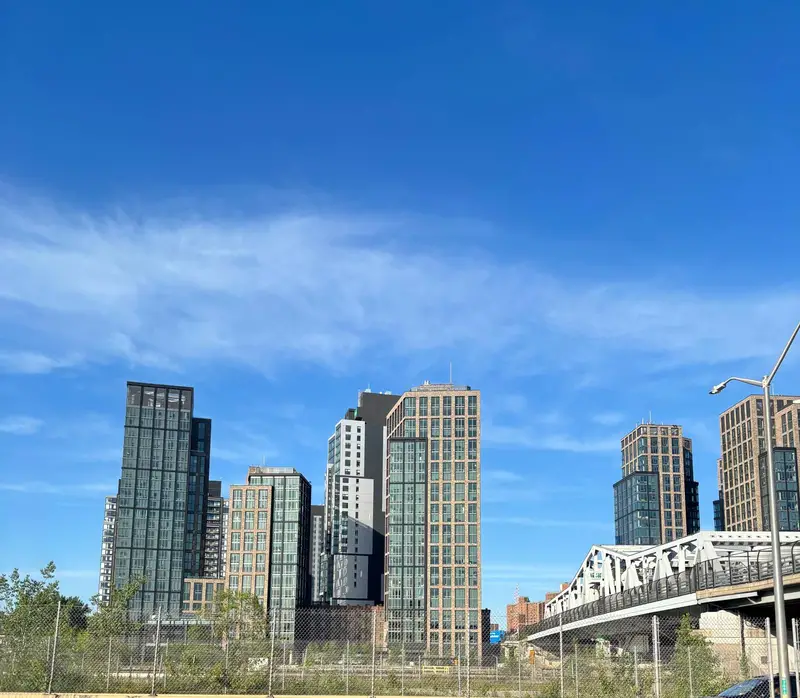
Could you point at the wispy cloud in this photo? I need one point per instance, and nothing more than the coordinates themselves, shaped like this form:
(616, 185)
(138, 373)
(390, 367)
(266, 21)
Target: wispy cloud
(20, 425)
(494, 475)
(608, 419)
(79, 287)
(88, 489)
(33, 362)
(536, 438)
(242, 445)
(600, 526)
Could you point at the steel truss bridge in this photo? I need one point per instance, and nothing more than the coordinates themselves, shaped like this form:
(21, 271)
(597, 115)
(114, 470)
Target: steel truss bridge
(709, 570)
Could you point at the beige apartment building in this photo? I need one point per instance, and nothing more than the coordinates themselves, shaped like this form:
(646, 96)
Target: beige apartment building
(433, 522)
(249, 529)
(742, 439)
(656, 501)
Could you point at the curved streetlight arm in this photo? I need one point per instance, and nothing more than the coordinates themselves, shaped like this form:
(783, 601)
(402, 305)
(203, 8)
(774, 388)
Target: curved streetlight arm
(721, 386)
(783, 354)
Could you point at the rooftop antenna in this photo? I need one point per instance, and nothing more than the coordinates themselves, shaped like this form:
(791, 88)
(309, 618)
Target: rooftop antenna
(451, 373)
(651, 417)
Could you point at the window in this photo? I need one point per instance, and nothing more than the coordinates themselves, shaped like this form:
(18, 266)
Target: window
(262, 520)
(459, 491)
(473, 534)
(409, 407)
(472, 404)
(249, 522)
(472, 491)
(250, 499)
(263, 498)
(262, 541)
(447, 403)
(423, 407)
(459, 472)
(472, 470)
(460, 427)
(434, 555)
(234, 562)
(410, 428)
(473, 449)
(237, 499)
(236, 541)
(236, 519)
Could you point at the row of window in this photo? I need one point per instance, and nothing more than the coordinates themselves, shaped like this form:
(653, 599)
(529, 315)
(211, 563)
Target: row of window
(453, 513)
(413, 405)
(453, 555)
(453, 576)
(457, 597)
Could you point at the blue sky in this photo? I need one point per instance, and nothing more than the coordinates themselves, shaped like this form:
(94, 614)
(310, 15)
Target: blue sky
(590, 209)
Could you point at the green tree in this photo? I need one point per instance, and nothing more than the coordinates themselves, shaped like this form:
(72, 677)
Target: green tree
(694, 665)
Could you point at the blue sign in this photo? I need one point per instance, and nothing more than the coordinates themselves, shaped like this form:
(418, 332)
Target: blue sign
(497, 636)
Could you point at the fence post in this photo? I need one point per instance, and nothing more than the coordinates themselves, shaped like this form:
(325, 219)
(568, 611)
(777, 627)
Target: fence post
(155, 653)
(691, 682)
(108, 665)
(561, 654)
(458, 668)
(403, 667)
(575, 661)
(283, 669)
(374, 645)
(519, 665)
(636, 671)
(55, 647)
(347, 668)
(794, 647)
(271, 655)
(656, 657)
(469, 662)
(768, 633)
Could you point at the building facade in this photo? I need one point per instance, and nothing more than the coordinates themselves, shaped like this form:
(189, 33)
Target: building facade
(522, 613)
(161, 497)
(107, 551)
(215, 535)
(656, 501)
(354, 517)
(269, 541)
(317, 552)
(786, 485)
(199, 593)
(742, 440)
(433, 543)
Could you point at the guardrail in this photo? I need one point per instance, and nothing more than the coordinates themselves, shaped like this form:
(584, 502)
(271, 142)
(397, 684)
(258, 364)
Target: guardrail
(737, 568)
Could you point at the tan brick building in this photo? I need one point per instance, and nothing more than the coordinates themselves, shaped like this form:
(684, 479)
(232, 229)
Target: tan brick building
(742, 439)
(433, 526)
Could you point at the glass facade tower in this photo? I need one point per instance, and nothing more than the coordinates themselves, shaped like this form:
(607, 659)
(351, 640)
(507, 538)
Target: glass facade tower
(161, 497)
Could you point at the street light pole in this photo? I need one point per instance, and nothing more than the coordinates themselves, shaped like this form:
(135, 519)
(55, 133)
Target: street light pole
(775, 536)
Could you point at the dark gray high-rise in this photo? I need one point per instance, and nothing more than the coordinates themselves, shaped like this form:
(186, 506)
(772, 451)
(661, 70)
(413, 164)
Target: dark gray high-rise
(162, 496)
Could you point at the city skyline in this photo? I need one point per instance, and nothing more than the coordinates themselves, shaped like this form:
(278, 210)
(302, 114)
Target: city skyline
(788, 433)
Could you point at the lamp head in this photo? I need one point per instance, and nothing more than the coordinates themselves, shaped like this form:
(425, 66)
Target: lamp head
(718, 388)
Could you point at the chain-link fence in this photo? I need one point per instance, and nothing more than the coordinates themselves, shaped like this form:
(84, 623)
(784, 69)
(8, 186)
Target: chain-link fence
(353, 651)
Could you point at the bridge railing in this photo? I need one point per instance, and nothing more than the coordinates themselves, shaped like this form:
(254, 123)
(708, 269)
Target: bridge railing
(732, 569)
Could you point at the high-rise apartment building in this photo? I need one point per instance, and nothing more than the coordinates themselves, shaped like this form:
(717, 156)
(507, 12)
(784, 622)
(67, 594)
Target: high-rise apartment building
(656, 500)
(269, 536)
(107, 551)
(433, 536)
(742, 440)
(162, 496)
(354, 516)
(214, 540)
(317, 552)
